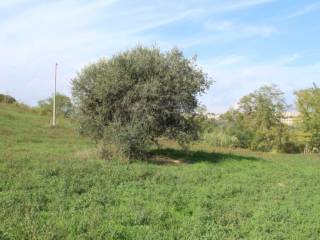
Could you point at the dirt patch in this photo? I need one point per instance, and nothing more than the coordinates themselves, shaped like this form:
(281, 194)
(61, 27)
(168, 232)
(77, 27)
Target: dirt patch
(165, 160)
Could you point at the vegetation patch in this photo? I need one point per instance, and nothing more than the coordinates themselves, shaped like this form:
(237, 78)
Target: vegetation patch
(46, 192)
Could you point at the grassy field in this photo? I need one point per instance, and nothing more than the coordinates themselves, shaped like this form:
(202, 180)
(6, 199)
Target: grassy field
(52, 186)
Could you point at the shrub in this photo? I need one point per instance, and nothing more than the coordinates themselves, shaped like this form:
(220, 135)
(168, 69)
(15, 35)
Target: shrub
(292, 147)
(221, 139)
(7, 99)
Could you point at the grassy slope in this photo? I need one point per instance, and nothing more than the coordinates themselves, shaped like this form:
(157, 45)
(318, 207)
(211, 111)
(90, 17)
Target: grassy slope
(51, 189)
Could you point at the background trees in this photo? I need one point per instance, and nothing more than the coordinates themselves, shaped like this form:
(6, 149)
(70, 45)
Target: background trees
(137, 96)
(63, 105)
(256, 123)
(261, 122)
(4, 98)
(308, 105)
(261, 118)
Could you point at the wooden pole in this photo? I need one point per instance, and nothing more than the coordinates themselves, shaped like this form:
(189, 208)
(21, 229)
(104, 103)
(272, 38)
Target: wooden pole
(54, 96)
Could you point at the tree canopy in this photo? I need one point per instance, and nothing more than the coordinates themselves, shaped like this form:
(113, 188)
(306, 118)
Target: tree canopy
(135, 97)
(257, 121)
(63, 105)
(308, 105)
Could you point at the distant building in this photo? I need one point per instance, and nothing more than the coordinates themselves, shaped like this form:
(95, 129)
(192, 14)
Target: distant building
(290, 117)
(212, 115)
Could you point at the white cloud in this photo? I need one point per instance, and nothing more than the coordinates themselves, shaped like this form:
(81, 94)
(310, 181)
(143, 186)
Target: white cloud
(75, 32)
(242, 4)
(165, 21)
(287, 59)
(9, 4)
(226, 32)
(305, 10)
(226, 61)
(234, 81)
(241, 29)
(71, 33)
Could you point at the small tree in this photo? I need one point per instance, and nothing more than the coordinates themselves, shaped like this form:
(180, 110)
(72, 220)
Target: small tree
(137, 96)
(7, 99)
(257, 122)
(308, 105)
(63, 105)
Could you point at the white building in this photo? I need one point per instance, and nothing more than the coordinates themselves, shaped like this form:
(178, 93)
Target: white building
(290, 117)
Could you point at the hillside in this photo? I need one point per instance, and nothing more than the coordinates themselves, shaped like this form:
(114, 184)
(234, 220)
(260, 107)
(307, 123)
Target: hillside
(54, 187)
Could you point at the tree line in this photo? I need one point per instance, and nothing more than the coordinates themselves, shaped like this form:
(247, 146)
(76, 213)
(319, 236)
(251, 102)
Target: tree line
(257, 123)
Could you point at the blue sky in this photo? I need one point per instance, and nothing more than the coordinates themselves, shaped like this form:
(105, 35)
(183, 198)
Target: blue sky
(241, 44)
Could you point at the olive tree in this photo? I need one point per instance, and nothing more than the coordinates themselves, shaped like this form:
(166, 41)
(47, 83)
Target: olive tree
(135, 97)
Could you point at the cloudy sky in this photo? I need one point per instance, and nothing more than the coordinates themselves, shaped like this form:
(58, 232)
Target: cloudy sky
(242, 44)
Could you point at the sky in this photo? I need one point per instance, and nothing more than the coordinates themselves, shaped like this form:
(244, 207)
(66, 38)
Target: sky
(241, 44)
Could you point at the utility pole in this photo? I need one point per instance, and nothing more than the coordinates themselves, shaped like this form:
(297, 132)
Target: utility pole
(54, 96)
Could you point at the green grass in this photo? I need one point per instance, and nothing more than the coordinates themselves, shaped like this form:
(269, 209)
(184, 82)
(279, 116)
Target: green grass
(53, 187)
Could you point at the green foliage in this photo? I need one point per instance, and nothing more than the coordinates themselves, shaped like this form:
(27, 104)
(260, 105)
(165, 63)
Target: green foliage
(221, 139)
(137, 96)
(214, 133)
(51, 188)
(63, 106)
(308, 105)
(257, 121)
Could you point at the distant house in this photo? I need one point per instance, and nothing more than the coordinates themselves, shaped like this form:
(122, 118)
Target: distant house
(290, 117)
(212, 115)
